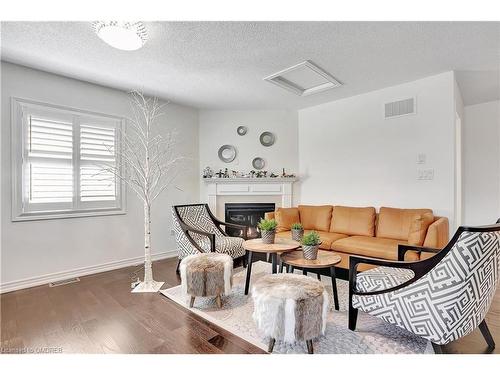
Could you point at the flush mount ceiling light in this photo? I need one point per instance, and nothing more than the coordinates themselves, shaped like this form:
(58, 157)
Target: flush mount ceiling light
(127, 36)
(304, 79)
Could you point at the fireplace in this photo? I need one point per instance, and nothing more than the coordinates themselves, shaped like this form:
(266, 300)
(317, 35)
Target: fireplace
(246, 214)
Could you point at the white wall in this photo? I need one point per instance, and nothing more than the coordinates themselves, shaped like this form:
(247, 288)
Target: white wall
(35, 248)
(482, 163)
(348, 153)
(218, 127)
(459, 151)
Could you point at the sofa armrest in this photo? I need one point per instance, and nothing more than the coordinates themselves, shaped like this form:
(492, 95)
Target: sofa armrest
(437, 234)
(402, 249)
(269, 215)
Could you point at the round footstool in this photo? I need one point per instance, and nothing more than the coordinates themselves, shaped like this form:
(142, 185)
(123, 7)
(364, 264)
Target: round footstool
(290, 308)
(206, 275)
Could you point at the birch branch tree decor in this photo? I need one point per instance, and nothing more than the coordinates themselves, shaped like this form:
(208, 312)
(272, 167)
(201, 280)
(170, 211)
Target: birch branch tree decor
(147, 163)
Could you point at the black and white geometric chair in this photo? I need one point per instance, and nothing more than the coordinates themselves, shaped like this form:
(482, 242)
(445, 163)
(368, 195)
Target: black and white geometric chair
(441, 298)
(197, 230)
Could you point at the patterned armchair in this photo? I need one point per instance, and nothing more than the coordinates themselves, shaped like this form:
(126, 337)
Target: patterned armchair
(198, 230)
(441, 298)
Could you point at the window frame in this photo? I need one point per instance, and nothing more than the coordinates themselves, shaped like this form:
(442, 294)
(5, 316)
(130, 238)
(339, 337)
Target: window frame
(23, 211)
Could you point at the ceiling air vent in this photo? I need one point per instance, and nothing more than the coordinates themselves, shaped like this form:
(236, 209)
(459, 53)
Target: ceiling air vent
(400, 108)
(304, 79)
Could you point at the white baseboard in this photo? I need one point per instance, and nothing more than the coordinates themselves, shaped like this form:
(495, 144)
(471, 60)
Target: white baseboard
(57, 276)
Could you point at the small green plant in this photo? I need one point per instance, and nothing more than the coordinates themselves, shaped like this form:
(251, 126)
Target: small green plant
(297, 226)
(311, 239)
(268, 225)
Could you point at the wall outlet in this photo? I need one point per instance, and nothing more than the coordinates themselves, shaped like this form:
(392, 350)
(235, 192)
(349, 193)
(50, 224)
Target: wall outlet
(425, 174)
(421, 158)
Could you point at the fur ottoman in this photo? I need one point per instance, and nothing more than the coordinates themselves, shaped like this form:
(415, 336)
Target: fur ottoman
(206, 275)
(290, 308)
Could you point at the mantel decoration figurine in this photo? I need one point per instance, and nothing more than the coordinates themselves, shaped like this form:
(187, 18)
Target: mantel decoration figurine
(208, 172)
(226, 173)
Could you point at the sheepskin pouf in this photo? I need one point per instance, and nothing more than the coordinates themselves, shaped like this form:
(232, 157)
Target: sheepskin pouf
(290, 308)
(206, 275)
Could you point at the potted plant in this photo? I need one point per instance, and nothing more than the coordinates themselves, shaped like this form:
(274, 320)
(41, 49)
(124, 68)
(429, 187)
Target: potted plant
(267, 230)
(310, 245)
(297, 231)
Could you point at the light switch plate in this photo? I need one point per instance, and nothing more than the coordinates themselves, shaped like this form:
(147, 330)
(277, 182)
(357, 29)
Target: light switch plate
(425, 174)
(421, 158)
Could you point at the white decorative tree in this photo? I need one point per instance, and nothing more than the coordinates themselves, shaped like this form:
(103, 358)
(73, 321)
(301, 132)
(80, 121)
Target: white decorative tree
(147, 163)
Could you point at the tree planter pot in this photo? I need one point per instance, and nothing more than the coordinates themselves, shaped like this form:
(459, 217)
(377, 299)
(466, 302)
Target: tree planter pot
(268, 236)
(310, 252)
(297, 234)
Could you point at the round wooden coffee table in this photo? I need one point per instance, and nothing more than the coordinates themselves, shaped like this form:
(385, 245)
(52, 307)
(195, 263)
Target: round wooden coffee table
(280, 245)
(325, 259)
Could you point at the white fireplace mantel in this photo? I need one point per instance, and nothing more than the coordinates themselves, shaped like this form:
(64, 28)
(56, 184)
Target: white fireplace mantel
(217, 187)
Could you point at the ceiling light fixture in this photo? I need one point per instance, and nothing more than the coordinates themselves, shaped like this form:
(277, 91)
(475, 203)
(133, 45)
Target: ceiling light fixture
(127, 36)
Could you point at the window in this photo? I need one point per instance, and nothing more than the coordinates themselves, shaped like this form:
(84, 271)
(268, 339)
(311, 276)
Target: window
(59, 160)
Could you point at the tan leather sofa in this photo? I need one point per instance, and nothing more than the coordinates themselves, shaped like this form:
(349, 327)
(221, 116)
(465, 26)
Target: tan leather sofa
(362, 231)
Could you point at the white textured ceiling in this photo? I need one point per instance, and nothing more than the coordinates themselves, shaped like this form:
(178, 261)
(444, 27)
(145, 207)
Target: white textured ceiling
(221, 64)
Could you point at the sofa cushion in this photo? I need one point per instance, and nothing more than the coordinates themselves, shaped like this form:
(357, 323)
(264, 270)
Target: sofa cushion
(385, 248)
(418, 228)
(326, 237)
(285, 217)
(395, 222)
(316, 217)
(353, 220)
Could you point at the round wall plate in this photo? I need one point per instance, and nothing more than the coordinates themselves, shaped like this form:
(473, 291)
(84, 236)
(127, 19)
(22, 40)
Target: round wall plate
(267, 139)
(258, 163)
(241, 130)
(227, 153)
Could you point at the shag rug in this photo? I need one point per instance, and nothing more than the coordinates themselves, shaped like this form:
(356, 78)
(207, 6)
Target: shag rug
(372, 335)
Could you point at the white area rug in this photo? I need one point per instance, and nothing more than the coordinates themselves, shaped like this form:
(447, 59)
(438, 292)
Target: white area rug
(372, 335)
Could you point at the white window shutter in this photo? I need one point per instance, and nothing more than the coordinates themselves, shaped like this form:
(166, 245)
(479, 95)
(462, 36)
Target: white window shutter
(97, 149)
(49, 167)
(58, 155)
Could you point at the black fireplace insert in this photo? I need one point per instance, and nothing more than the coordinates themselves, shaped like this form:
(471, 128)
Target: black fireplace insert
(246, 214)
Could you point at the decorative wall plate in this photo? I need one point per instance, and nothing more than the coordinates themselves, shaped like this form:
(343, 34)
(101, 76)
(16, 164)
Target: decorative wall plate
(227, 153)
(258, 163)
(241, 130)
(267, 139)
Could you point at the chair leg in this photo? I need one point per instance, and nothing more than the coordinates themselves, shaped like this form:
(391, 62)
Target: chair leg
(218, 300)
(438, 349)
(487, 335)
(310, 349)
(270, 347)
(244, 261)
(178, 265)
(191, 302)
(353, 317)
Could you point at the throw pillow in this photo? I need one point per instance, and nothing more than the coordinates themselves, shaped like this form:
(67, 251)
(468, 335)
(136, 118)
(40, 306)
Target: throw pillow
(285, 217)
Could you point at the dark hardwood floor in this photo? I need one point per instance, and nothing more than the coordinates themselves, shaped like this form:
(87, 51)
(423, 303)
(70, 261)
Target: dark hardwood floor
(100, 315)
